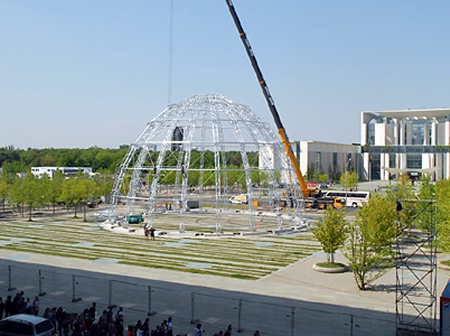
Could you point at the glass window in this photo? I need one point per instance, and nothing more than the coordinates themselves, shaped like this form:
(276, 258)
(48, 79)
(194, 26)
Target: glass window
(418, 134)
(414, 160)
(317, 163)
(371, 132)
(335, 162)
(392, 160)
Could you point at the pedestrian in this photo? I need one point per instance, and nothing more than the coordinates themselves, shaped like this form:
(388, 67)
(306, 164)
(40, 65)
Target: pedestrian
(256, 333)
(152, 233)
(2, 307)
(120, 313)
(139, 328)
(131, 331)
(36, 304)
(28, 307)
(228, 331)
(8, 306)
(170, 326)
(93, 311)
(198, 330)
(146, 327)
(119, 324)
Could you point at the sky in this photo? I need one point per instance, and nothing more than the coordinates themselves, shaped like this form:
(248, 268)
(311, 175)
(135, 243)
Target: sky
(81, 73)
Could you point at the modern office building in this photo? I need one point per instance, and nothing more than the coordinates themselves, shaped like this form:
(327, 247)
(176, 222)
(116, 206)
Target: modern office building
(328, 158)
(405, 142)
(332, 159)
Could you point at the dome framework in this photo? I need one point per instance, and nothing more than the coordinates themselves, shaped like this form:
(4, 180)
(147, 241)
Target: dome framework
(194, 156)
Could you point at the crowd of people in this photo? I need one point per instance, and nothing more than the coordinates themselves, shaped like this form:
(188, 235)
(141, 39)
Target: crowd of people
(18, 304)
(90, 323)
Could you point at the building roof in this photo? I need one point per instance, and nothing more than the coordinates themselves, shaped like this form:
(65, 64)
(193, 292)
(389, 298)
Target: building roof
(414, 114)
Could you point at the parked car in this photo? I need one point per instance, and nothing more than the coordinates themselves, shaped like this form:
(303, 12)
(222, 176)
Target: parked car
(24, 324)
(134, 219)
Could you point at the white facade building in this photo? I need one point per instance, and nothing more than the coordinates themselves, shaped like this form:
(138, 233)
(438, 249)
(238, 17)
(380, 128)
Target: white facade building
(405, 141)
(328, 158)
(67, 171)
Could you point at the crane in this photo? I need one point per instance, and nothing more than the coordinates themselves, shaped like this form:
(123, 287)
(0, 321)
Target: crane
(269, 100)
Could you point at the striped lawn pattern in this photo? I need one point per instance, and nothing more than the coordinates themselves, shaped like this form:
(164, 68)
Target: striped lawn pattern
(244, 257)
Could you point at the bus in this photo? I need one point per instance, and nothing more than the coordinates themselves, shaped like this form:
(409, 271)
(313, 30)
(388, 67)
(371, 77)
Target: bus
(354, 198)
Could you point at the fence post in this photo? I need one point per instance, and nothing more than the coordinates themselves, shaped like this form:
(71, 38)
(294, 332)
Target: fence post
(110, 293)
(10, 288)
(351, 325)
(150, 311)
(41, 293)
(193, 319)
(239, 316)
(74, 283)
(292, 321)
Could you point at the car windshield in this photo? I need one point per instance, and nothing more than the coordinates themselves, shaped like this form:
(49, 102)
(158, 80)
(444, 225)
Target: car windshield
(44, 326)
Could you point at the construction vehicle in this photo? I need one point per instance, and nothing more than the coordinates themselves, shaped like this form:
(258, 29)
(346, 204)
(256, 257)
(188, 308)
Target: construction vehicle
(324, 202)
(270, 102)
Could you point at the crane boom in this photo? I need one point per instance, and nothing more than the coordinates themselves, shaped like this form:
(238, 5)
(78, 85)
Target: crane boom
(269, 100)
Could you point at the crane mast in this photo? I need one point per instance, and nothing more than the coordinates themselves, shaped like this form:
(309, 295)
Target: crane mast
(269, 100)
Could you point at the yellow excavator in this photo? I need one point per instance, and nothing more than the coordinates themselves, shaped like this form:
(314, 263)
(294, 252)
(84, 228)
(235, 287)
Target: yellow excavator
(281, 130)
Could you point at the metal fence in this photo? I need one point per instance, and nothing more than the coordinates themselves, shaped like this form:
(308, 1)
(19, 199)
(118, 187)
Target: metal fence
(76, 290)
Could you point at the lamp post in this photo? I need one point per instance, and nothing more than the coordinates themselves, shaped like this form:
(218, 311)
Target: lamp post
(346, 178)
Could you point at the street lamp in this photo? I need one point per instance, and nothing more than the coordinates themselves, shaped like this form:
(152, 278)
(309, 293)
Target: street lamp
(349, 159)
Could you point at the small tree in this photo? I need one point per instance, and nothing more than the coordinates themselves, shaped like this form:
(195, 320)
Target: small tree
(17, 193)
(55, 189)
(32, 192)
(443, 214)
(369, 244)
(77, 190)
(5, 186)
(349, 179)
(331, 232)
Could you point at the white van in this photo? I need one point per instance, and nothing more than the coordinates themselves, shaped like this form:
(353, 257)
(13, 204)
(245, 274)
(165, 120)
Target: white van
(239, 199)
(26, 325)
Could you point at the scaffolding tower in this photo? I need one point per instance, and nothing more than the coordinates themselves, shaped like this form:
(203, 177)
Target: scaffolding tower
(416, 268)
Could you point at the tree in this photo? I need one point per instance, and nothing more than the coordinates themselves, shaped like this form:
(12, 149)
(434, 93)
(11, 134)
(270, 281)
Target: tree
(425, 219)
(5, 186)
(77, 190)
(87, 189)
(55, 188)
(68, 193)
(31, 192)
(104, 183)
(404, 190)
(369, 244)
(331, 232)
(443, 214)
(349, 179)
(17, 193)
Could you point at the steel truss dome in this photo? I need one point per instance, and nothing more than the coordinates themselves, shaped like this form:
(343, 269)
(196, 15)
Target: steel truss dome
(194, 156)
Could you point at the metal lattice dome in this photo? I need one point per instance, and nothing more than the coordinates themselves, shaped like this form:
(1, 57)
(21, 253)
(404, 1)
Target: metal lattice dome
(194, 157)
